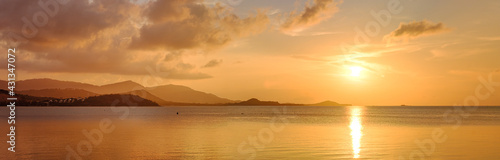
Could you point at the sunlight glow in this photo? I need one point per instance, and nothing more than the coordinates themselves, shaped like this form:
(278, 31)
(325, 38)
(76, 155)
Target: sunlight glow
(356, 133)
(356, 71)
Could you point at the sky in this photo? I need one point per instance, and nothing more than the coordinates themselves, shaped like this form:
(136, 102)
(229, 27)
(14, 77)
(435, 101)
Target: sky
(388, 52)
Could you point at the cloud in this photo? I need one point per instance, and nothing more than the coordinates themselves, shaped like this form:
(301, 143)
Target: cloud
(120, 37)
(416, 29)
(128, 63)
(70, 24)
(213, 63)
(173, 56)
(314, 12)
(170, 10)
(77, 36)
(194, 25)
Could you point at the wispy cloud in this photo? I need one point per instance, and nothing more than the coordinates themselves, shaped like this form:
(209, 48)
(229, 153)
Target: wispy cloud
(416, 29)
(213, 63)
(314, 12)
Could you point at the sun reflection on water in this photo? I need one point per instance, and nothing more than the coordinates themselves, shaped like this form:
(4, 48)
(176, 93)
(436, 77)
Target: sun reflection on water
(356, 133)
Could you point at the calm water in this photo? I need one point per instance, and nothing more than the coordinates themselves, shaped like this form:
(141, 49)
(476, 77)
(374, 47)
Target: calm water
(229, 132)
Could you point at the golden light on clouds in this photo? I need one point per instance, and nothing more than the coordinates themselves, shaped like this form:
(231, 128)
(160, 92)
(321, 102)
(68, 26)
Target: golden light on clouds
(310, 51)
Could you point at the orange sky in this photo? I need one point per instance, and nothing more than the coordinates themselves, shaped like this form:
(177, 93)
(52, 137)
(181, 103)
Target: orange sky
(362, 52)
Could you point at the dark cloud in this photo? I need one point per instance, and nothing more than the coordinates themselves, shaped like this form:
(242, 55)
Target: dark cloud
(198, 26)
(53, 25)
(416, 29)
(76, 36)
(213, 63)
(123, 37)
(313, 14)
(95, 37)
(169, 10)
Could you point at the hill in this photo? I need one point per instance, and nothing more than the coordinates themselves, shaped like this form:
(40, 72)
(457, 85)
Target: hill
(111, 100)
(36, 91)
(23, 100)
(58, 93)
(256, 102)
(183, 94)
(329, 103)
(146, 95)
(100, 100)
(45, 83)
(165, 95)
(120, 87)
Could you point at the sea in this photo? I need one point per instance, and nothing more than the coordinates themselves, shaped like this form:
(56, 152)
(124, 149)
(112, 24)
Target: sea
(253, 132)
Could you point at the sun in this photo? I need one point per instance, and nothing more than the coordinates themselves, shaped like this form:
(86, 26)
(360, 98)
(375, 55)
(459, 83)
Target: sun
(356, 71)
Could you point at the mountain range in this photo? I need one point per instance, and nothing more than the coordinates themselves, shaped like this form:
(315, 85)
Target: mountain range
(164, 95)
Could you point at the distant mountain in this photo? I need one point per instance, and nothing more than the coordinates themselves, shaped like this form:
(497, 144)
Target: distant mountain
(58, 93)
(146, 95)
(39, 84)
(164, 95)
(109, 100)
(120, 87)
(182, 94)
(256, 102)
(176, 95)
(22, 100)
(100, 100)
(329, 103)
